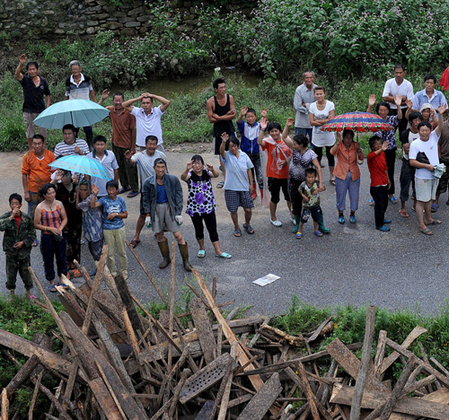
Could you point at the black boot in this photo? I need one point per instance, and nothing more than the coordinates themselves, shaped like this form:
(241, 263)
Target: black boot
(165, 251)
(184, 250)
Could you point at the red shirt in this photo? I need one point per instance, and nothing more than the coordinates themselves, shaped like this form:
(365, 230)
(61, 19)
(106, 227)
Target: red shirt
(377, 166)
(277, 152)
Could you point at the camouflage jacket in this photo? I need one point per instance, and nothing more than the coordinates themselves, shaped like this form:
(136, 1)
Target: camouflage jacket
(25, 233)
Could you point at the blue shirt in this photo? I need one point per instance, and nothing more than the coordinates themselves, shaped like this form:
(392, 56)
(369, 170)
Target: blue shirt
(249, 136)
(112, 206)
(161, 194)
(436, 100)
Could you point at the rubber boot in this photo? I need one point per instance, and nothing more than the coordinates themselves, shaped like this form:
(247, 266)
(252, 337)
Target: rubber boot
(297, 221)
(165, 251)
(321, 226)
(184, 250)
(254, 194)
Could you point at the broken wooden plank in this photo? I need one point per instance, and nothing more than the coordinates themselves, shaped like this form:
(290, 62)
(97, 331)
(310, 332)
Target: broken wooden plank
(380, 352)
(263, 400)
(204, 329)
(319, 330)
(362, 374)
(284, 337)
(418, 407)
(415, 333)
(22, 375)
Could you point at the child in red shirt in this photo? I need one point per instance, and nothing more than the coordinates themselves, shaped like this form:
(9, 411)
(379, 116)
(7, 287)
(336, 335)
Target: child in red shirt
(380, 182)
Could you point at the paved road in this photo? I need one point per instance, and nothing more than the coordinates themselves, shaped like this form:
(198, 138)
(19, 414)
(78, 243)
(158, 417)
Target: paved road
(354, 265)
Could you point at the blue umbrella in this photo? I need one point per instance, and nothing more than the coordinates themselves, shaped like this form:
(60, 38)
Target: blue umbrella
(82, 165)
(79, 112)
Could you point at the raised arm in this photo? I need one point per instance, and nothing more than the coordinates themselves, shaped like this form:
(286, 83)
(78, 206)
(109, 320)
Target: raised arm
(164, 101)
(186, 175)
(288, 141)
(263, 126)
(398, 101)
(441, 110)
(371, 102)
(128, 104)
(104, 96)
(224, 138)
(18, 74)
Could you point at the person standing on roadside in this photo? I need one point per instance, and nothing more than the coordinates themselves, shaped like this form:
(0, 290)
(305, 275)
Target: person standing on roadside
(123, 139)
(148, 118)
(423, 155)
(429, 95)
(221, 111)
(304, 97)
(70, 145)
(79, 86)
(144, 161)
(35, 173)
(398, 86)
(34, 89)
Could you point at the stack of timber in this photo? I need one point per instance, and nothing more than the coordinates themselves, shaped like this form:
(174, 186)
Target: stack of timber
(118, 362)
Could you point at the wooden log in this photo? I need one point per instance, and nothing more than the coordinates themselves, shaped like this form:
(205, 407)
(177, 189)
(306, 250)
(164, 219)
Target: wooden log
(172, 303)
(127, 300)
(128, 404)
(351, 364)
(263, 400)
(5, 405)
(303, 383)
(284, 337)
(255, 380)
(184, 375)
(96, 286)
(204, 329)
(34, 398)
(418, 407)
(366, 357)
(380, 352)
(384, 411)
(416, 332)
(440, 366)
(22, 375)
(227, 389)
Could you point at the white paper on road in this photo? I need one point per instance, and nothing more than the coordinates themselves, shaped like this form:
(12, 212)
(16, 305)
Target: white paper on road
(269, 278)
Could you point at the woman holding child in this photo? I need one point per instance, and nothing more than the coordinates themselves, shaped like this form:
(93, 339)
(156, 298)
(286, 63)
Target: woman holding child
(303, 158)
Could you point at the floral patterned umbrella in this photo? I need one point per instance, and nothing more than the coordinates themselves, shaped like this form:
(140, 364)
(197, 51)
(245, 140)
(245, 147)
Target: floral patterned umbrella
(357, 121)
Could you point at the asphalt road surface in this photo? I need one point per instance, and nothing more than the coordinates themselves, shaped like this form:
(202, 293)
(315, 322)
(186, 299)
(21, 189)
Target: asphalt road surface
(355, 264)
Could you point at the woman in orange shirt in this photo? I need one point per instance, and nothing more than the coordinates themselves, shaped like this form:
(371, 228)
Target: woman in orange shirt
(347, 173)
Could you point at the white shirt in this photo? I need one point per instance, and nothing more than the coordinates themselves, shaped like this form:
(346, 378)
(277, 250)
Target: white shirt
(148, 124)
(430, 148)
(393, 89)
(322, 138)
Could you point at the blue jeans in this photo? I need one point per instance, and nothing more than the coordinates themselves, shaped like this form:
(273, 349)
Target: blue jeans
(342, 187)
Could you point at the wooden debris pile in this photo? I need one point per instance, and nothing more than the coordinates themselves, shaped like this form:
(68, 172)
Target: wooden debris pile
(119, 364)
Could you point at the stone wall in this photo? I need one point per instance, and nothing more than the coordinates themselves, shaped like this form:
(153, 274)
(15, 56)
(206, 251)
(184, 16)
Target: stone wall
(47, 19)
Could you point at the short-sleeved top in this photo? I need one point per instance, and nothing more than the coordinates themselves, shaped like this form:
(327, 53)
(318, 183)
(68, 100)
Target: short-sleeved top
(393, 89)
(277, 152)
(436, 100)
(37, 169)
(112, 206)
(145, 164)
(123, 123)
(200, 199)
(79, 90)
(389, 135)
(64, 149)
(408, 136)
(33, 96)
(299, 164)
(377, 166)
(92, 220)
(237, 171)
(322, 138)
(430, 148)
(314, 199)
(148, 124)
(110, 163)
(346, 162)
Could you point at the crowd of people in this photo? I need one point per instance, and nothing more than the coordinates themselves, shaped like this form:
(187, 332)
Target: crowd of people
(64, 205)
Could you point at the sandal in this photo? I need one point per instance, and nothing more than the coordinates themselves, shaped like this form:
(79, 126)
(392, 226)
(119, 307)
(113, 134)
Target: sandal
(298, 235)
(220, 184)
(52, 288)
(434, 207)
(224, 255)
(134, 243)
(426, 231)
(249, 229)
(403, 213)
(63, 285)
(201, 253)
(332, 182)
(238, 233)
(433, 223)
(318, 233)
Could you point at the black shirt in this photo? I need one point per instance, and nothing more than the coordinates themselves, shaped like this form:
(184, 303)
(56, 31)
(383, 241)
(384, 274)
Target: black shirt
(33, 97)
